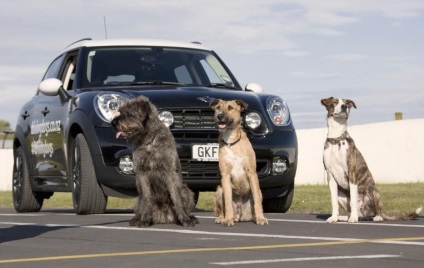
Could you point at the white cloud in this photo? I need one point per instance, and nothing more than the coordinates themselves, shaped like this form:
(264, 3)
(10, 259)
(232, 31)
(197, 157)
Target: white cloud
(288, 37)
(295, 53)
(314, 75)
(347, 57)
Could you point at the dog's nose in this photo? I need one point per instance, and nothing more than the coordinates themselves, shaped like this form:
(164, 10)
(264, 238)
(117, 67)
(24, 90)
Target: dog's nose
(220, 116)
(344, 106)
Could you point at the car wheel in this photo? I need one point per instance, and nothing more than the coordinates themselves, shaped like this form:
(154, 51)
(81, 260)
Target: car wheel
(279, 204)
(87, 195)
(24, 199)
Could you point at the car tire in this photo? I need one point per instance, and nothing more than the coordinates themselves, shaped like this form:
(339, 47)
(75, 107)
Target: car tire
(24, 199)
(280, 204)
(87, 194)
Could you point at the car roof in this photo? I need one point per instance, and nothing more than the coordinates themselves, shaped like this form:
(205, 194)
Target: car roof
(133, 42)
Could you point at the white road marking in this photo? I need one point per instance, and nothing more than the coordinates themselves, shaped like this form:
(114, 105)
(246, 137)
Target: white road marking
(185, 231)
(307, 259)
(375, 224)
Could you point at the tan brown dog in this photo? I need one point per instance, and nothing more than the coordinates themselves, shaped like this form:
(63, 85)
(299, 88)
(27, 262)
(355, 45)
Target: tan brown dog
(350, 181)
(239, 197)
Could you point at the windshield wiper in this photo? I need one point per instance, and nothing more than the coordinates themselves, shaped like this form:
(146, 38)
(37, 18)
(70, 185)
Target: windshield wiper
(142, 83)
(221, 85)
(153, 83)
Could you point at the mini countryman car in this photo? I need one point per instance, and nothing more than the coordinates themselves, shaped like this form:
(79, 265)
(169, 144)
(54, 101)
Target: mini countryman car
(64, 141)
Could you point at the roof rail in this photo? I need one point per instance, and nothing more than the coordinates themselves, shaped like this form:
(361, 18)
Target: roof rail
(83, 39)
(196, 42)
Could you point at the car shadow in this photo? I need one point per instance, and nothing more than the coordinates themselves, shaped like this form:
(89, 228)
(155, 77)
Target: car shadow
(20, 232)
(30, 230)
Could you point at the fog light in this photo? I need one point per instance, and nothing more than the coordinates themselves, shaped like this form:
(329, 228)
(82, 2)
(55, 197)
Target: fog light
(279, 166)
(166, 117)
(253, 120)
(126, 165)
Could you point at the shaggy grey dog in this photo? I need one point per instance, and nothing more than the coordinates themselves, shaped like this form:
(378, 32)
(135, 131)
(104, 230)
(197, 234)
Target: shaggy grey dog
(163, 198)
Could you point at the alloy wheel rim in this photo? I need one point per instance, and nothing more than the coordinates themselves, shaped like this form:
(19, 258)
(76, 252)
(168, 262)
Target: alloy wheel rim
(76, 174)
(18, 179)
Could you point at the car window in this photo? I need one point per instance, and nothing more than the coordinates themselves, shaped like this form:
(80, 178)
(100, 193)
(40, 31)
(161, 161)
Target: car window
(137, 65)
(68, 74)
(54, 68)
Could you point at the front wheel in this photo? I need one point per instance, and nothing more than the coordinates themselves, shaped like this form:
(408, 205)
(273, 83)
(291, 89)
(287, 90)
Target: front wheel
(87, 195)
(280, 204)
(24, 199)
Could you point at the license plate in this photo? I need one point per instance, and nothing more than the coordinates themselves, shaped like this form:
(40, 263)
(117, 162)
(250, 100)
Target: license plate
(205, 152)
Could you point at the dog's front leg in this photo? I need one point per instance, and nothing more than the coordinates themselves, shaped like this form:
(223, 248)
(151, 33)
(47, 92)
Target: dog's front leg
(257, 198)
(353, 203)
(143, 211)
(228, 200)
(178, 205)
(334, 200)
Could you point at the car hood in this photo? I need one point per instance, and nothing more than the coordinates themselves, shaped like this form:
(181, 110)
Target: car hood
(194, 97)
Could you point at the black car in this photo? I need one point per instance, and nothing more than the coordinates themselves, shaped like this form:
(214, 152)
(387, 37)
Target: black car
(64, 141)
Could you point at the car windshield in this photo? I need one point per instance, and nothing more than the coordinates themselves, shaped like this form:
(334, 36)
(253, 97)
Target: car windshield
(155, 66)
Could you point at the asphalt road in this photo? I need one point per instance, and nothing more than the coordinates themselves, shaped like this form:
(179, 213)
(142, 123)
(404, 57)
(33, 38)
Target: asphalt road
(59, 238)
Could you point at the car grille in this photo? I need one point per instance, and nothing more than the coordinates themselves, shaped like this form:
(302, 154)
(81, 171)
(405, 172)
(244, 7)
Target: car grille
(199, 169)
(210, 170)
(193, 119)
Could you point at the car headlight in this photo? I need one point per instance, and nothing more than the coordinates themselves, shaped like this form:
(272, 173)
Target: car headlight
(278, 111)
(253, 120)
(166, 117)
(107, 105)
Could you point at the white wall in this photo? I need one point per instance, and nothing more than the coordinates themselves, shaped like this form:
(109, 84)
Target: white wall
(6, 169)
(394, 152)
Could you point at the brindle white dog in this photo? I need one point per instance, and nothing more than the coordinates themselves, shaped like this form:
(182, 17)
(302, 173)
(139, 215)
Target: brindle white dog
(350, 181)
(163, 198)
(239, 197)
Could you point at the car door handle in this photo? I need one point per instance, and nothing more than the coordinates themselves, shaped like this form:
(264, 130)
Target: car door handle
(45, 111)
(25, 115)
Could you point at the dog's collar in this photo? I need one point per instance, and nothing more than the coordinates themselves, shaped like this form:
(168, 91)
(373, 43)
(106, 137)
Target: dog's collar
(231, 143)
(338, 139)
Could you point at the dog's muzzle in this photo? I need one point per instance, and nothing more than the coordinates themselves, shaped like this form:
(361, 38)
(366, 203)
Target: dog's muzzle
(222, 121)
(114, 123)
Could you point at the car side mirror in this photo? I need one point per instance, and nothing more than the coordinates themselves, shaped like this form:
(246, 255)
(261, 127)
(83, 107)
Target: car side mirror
(253, 87)
(53, 87)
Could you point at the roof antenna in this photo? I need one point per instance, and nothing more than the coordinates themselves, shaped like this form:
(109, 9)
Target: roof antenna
(104, 22)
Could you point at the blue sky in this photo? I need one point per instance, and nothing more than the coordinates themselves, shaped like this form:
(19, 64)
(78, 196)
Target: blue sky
(370, 51)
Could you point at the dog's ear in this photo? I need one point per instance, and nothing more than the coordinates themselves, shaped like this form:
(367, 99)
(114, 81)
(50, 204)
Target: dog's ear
(142, 108)
(242, 104)
(326, 102)
(214, 103)
(350, 103)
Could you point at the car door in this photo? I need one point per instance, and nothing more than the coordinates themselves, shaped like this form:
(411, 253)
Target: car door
(48, 146)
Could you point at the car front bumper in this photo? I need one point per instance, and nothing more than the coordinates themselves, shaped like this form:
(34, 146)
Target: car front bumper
(199, 175)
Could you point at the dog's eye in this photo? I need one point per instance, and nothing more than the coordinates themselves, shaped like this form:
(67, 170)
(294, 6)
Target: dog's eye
(230, 108)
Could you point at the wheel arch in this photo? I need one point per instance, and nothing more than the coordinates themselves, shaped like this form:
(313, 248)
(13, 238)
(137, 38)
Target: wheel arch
(19, 141)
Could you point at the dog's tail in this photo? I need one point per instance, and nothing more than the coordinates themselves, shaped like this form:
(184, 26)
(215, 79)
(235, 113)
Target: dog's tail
(407, 217)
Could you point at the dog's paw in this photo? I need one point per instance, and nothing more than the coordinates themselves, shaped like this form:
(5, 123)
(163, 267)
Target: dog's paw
(188, 223)
(378, 218)
(219, 220)
(333, 219)
(353, 219)
(261, 221)
(142, 224)
(194, 219)
(133, 221)
(227, 222)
